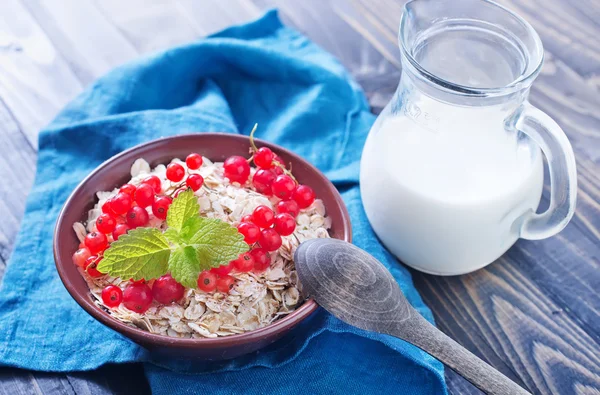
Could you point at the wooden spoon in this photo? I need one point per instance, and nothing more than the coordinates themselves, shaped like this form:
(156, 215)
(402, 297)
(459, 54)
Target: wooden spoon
(356, 288)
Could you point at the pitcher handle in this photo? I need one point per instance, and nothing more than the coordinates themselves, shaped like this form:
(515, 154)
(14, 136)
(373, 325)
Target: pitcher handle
(561, 164)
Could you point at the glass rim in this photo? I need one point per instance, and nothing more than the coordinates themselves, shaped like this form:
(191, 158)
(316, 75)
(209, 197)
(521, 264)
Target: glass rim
(516, 85)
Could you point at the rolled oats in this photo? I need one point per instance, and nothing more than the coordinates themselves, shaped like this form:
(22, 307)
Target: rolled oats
(256, 300)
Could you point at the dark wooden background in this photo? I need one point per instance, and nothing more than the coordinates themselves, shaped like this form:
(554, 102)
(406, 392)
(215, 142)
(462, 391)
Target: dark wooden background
(534, 314)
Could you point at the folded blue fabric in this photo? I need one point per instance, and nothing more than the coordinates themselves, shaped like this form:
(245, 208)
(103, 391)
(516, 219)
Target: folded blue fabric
(304, 100)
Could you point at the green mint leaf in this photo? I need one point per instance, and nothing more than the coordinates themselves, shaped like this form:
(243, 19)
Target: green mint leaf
(216, 241)
(190, 227)
(185, 266)
(184, 206)
(173, 236)
(209, 243)
(142, 253)
(203, 243)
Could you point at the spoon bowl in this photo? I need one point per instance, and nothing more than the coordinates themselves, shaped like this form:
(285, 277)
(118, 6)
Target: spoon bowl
(364, 294)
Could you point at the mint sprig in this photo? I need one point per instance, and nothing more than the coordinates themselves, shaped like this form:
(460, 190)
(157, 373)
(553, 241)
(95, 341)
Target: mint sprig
(190, 245)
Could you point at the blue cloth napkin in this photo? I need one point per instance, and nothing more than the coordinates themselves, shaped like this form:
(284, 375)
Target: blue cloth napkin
(304, 100)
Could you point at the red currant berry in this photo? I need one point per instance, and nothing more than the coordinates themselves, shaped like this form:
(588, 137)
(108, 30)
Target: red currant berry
(80, 256)
(223, 270)
(263, 158)
(193, 161)
(270, 240)
(119, 231)
(263, 216)
(283, 186)
(284, 224)
(154, 182)
(107, 207)
(90, 266)
(262, 259)
(250, 231)
(237, 169)
(112, 296)
(96, 242)
(144, 195)
(207, 281)
(288, 206)
(262, 181)
(194, 181)
(225, 284)
(304, 196)
(121, 203)
(175, 172)
(137, 297)
(247, 218)
(128, 189)
(105, 223)
(178, 192)
(136, 217)
(167, 290)
(160, 207)
(244, 263)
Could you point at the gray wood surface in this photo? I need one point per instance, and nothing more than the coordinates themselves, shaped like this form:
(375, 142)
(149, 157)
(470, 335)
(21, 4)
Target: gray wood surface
(534, 314)
(110, 379)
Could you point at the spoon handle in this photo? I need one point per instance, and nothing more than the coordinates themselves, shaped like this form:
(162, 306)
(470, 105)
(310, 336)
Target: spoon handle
(433, 341)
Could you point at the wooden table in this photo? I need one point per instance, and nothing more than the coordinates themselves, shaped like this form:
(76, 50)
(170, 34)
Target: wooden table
(534, 314)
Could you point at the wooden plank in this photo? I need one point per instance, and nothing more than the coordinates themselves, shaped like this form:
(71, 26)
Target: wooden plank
(109, 379)
(138, 20)
(538, 340)
(17, 167)
(85, 38)
(210, 16)
(35, 81)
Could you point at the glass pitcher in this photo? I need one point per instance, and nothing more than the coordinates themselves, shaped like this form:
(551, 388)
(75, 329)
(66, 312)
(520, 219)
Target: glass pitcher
(451, 172)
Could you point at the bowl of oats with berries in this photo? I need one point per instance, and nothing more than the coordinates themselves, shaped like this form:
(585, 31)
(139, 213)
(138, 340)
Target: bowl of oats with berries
(186, 244)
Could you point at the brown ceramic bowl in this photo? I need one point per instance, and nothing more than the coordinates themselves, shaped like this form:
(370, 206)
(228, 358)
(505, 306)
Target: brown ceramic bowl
(217, 147)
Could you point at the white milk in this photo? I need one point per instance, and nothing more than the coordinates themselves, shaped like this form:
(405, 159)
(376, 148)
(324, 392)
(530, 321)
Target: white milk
(446, 193)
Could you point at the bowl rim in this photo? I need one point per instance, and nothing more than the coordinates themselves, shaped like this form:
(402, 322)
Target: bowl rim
(287, 322)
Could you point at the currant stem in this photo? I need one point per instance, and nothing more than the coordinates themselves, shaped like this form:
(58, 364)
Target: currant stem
(285, 170)
(254, 147)
(175, 188)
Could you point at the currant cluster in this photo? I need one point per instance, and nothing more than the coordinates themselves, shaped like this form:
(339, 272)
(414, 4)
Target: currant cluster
(218, 279)
(128, 210)
(262, 229)
(271, 179)
(138, 295)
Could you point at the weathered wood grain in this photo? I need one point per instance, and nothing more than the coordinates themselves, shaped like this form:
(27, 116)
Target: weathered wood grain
(17, 154)
(210, 16)
(137, 21)
(35, 81)
(89, 42)
(110, 379)
(534, 314)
